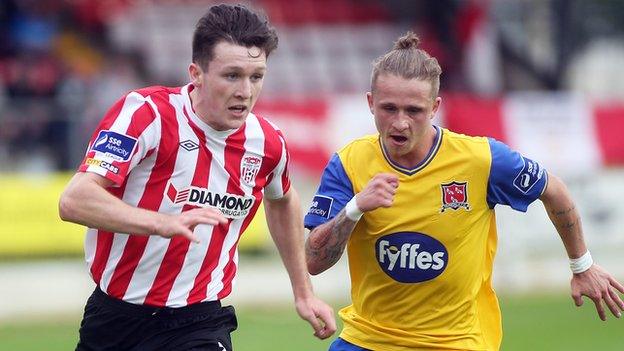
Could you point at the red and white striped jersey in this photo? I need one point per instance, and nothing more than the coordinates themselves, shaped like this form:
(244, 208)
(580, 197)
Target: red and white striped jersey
(162, 157)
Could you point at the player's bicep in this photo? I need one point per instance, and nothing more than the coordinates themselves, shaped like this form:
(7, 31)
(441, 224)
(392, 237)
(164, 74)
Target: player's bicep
(279, 180)
(515, 180)
(335, 190)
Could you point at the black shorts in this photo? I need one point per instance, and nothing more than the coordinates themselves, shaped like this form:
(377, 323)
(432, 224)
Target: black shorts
(112, 324)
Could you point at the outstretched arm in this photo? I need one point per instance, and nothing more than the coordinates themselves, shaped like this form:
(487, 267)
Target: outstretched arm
(594, 282)
(327, 242)
(86, 201)
(285, 224)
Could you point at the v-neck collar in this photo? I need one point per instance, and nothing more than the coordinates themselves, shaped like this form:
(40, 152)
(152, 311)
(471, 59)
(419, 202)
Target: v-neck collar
(422, 164)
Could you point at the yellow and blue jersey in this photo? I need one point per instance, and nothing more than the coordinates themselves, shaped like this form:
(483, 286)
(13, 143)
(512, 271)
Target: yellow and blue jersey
(421, 270)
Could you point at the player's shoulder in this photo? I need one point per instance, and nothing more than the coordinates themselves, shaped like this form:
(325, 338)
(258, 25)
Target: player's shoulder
(157, 91)
(474, 149)
(362, 143)
(460, 138)
(360, 150)
(268, 129)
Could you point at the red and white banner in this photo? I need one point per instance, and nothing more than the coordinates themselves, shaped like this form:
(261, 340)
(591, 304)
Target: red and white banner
(565, 132)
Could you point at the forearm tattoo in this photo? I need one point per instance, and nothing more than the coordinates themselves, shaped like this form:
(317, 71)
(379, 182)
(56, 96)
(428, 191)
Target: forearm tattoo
(565, 220)
(327, 242)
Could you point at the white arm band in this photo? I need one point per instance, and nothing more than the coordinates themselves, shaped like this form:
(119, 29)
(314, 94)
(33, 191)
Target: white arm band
(352, 211)
(581, 264)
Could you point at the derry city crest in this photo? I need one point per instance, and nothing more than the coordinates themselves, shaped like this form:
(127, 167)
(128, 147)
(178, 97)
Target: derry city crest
(249, 169)
(454, 196)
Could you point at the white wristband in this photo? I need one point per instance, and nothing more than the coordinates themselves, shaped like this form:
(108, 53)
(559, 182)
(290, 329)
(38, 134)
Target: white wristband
(581, 264)
(352, 211)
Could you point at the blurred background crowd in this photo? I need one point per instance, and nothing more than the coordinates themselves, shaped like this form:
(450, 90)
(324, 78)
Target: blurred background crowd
(64, 62)
(544, 76)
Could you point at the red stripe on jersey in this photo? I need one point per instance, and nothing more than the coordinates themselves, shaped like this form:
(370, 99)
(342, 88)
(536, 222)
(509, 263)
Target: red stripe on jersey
(474, 116)
(150, 200)
(229, 272)
(178, 247)
(272, 151)
(607, 119)
(102, 252)
(233, 154)
(104, 244)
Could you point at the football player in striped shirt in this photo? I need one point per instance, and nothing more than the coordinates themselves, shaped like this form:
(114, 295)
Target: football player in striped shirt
(171, 179)
(414, 206)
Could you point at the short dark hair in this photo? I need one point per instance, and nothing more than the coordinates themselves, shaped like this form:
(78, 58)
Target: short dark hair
(234, 24)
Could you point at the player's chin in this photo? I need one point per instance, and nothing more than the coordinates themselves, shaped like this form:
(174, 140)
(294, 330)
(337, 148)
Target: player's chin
(236, 121)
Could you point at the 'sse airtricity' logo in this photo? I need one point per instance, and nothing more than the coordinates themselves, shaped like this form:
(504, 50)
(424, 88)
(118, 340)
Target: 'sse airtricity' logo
(410, 257)
(321, 206)
(530, 174)
(117, 146)
(454, 196)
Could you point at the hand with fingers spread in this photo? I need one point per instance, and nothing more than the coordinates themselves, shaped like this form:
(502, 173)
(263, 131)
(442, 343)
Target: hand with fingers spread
(318, 314)
(379, 192)
(600, 286)
(184, 223)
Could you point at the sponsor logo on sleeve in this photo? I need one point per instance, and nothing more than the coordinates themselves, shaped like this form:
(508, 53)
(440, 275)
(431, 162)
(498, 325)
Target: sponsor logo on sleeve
(321, 206)
(530, 174)
(454, 196)
(411, 257)
(102, 164)
(117, 146)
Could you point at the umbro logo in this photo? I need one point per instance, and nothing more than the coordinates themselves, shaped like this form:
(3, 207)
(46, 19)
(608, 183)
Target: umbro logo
(189, 145)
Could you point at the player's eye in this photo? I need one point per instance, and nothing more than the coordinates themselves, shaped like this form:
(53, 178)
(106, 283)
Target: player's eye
(414, 110)
(256, 77)
(231, 76)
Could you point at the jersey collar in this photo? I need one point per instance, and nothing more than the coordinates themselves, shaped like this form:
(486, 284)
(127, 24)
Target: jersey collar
(422, 164)
(205, 127)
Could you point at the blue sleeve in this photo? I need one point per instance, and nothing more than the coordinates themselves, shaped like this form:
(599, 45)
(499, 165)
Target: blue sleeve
(332, 195)
(515, 180)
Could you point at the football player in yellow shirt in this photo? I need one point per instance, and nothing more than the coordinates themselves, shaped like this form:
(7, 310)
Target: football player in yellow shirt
(414, 205)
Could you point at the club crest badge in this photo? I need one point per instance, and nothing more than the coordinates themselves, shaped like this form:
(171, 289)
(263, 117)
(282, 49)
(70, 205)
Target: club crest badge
(454, 196)
(249, 169)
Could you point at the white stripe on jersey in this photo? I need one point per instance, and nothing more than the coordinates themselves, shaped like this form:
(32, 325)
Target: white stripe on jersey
(181, 175)
(275, 190)
(137, 181)
(254, 140)
(195, 256)
(89, 248)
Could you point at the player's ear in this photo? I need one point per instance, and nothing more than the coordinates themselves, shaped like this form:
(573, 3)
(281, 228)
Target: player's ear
(369, 98)
(195, 72)
(436, 106)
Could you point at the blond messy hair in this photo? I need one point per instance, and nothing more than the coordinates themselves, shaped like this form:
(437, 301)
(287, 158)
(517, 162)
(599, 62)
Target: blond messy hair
(406, 60)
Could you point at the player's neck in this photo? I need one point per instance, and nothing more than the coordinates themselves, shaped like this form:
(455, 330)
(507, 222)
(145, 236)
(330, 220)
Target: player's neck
(420, 152)
(197, 104)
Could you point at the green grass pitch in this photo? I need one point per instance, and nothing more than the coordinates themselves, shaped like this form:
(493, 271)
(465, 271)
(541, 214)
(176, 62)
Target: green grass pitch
(530, 323)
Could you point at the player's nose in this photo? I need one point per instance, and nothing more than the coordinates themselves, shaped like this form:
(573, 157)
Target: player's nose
(243, 90)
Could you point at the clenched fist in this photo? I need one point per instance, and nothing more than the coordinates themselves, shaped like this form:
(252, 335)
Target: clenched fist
(379, 192)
